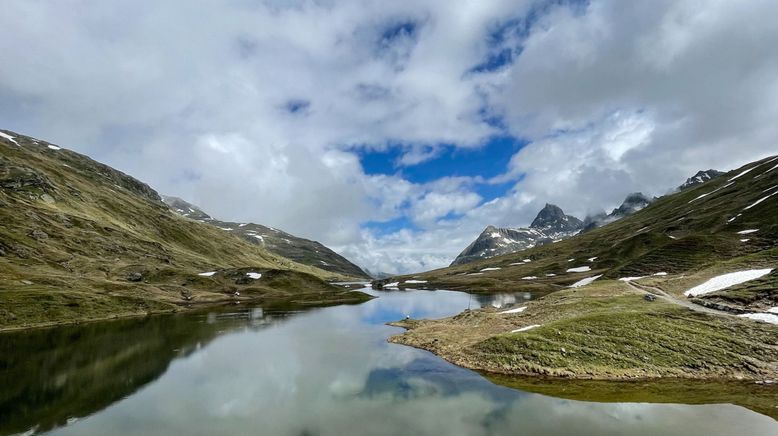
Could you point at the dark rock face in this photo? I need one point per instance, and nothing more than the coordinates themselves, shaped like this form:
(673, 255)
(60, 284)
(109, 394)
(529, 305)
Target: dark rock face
(633, 203)
(19, 177)
(551, 224)
(699, 178)
(552, 219)
(134, 277)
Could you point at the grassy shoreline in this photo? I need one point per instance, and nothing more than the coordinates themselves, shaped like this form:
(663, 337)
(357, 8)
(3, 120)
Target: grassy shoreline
(46, 308)
(345, 297)
(606, 331)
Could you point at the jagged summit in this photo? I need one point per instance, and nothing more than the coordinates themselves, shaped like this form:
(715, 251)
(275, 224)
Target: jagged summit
(699, 178)
(552, 217)
(551, 224)
(634, 202)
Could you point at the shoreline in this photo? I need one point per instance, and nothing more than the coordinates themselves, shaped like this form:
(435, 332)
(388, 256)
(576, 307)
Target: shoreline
(539, 376)
(604, 332)
(190, 307)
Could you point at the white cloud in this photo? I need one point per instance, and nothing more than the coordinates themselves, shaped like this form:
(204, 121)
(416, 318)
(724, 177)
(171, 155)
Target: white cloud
(255, 110)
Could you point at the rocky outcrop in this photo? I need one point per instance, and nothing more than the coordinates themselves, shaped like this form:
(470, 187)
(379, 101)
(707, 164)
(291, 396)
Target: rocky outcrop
(699, 178)
(551, 224)
(633, 203)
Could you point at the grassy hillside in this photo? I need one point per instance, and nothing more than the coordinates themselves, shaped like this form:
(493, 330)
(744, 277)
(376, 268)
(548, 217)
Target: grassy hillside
(83, 241)
(276, 241)
(693, 232)
(644, 328)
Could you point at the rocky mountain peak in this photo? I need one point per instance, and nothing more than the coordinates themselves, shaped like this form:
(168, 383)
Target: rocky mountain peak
(551, 224)
(552, 217)
(699, 178)
(633, 203)
(182, 207)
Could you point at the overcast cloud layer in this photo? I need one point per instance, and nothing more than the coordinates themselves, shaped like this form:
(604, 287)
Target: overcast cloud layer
(259, 110)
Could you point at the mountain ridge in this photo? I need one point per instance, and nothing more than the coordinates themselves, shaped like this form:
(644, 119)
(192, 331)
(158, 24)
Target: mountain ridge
(550, 224)
(82, 241)
(305, 251)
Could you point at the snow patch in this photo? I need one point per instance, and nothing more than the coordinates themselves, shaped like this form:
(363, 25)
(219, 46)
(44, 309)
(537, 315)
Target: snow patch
(524, 329)
(207, 274)
(516, 310)
(550, 275)
(392, 285)
(760, 200)
(414, 282)
(745, 232)
(584, 282)
(629, 279)
(54, 147)
(490, 269)
(529, 278)
(9, 137)
(743, 173)
(580, 269)
(660, 274)
(764, 317)
(711, 192)
(527, 260)
(744, 240)
(592, 259)
(726, 280)
(254, 275)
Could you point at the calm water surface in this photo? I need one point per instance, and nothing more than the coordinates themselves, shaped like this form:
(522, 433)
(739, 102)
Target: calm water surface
(252, 371)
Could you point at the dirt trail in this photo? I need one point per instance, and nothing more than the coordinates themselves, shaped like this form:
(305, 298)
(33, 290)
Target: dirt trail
(682, 302)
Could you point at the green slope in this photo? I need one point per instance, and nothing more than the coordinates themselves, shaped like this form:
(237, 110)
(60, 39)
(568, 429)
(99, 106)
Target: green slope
(690, 232)
(276, 241)
(80, 240)
(646, 328)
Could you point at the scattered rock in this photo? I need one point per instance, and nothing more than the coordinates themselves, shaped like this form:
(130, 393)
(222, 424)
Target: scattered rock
(134, 277)
(243, 280)
(18, 178)
(649, 297)
(39, 234)
(48, 199)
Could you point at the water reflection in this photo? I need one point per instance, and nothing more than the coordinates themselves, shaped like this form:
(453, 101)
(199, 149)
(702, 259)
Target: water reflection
(324, 372)
(503, 301)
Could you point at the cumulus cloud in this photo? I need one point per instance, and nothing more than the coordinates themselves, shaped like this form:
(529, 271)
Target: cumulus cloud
(641, 96)
(259, 111)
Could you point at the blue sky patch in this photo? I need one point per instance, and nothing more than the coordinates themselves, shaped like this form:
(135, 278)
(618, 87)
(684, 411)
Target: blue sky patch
(487, 161)
(383, 228)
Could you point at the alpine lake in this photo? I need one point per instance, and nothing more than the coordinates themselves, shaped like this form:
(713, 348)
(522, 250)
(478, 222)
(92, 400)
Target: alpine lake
(240, 370)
